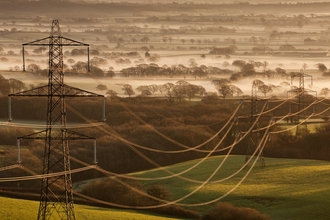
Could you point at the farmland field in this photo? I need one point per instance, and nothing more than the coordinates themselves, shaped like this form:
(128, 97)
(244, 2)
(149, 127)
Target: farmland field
(195, 60)
(284, 189)
(15, 209)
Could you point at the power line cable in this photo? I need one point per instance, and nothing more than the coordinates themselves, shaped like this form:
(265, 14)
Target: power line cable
(41, 176)
(9, 167)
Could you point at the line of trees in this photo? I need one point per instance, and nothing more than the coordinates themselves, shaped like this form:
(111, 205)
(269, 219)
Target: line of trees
(174, 92)
(11, 85)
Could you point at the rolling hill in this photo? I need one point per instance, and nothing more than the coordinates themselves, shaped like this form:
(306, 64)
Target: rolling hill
(284, 189)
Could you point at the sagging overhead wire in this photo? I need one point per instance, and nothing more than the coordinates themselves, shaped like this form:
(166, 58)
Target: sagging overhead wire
(184, 197)
(287, 116)
(177, 201)
(175, 175)
(184, 146)
(209, 182)
(166, 203)
(263, 142)
(9, 167)
(172, 174)
(42, 126)
(178, 175)
(187, 148)
(96, 200)
(41, 176)
(238, 139)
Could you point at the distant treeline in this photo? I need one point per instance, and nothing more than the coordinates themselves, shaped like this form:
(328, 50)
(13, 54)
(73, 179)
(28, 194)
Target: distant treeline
(34, 7)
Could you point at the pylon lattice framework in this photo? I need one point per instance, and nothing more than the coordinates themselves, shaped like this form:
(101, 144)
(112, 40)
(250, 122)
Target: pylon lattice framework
(254, 137)
(301, 92)
(56, 199)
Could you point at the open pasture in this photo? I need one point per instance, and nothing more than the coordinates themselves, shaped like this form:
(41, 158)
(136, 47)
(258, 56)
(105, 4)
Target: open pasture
(177, 34)
(15, 209)
(284, 189)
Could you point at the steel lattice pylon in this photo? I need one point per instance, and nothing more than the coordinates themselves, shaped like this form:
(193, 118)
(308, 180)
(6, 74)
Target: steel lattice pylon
(56, 200)
(300, 93)
(254, 137)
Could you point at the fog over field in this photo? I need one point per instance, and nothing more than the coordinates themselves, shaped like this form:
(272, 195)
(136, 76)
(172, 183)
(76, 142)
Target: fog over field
(175, 81)
(206, 1)
(192, 38)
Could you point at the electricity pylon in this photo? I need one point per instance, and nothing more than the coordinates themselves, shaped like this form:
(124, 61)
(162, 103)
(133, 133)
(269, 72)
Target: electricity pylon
(56, 199)
(254, 137)
(301, 92)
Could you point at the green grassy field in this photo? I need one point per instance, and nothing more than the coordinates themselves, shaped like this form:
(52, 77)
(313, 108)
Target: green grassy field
(284, 189)
(17, 209)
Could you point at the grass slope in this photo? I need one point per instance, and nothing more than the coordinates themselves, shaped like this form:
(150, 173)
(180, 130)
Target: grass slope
(17, 209)
(284, 189)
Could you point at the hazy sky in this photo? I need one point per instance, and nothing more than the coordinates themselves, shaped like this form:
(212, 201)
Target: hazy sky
(210, 1)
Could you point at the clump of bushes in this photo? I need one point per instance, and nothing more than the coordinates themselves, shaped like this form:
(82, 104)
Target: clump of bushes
(120, 191)
(225, 211)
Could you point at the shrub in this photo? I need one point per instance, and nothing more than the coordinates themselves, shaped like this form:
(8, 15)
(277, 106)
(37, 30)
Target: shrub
(159, 192)
(177, 211)
(114, 190)
(224, 211)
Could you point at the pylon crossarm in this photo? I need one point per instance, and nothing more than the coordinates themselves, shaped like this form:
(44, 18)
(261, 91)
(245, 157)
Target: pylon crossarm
(309, 90)
(69, 42)
(39, 42)
(37, 135)
(69, 91)
(298, 74)
(39, 91)
(65, 42)
(73, 135)
(72, 91)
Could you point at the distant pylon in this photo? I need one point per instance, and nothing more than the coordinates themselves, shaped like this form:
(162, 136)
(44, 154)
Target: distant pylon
(56, 199)
(254, 137)
(300, 93)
